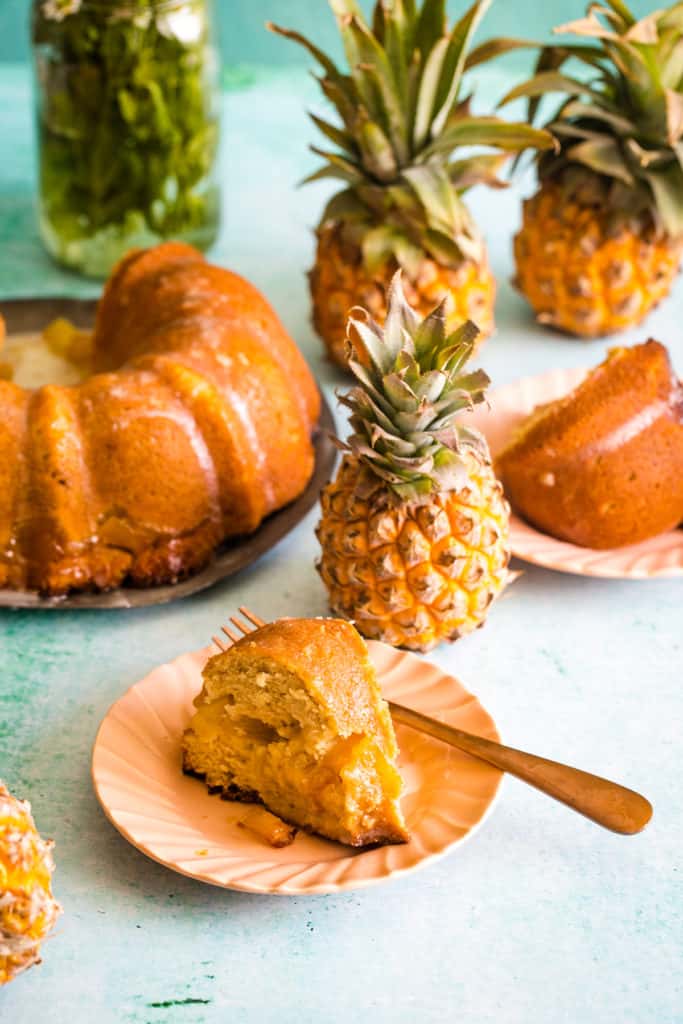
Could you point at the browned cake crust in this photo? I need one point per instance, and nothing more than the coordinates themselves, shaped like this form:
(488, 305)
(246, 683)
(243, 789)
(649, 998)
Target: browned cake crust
(196, 425)
(603, 467)
(229, 793)
(332, 658)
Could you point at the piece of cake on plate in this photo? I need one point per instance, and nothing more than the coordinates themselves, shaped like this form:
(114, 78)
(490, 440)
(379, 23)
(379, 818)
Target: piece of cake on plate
(602, 467)
(292, 716)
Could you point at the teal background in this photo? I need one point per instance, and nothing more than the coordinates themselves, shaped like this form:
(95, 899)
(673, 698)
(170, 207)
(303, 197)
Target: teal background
(244, 39)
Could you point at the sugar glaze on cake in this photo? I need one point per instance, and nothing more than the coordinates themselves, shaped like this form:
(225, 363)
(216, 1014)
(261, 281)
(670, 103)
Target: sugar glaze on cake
(196, 425)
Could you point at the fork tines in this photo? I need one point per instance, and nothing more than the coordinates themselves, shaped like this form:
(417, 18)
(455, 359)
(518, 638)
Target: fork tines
(244, 627)
(250, 615)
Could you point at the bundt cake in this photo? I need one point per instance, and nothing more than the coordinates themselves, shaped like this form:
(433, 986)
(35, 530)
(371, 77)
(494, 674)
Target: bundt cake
(27, 908)
(196, 424)
(292, 717)
(603, 466)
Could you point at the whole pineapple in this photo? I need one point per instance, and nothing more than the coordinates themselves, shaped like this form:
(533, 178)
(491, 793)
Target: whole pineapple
(402, 116)
(27, 908)
(414, 529)
(602, 240)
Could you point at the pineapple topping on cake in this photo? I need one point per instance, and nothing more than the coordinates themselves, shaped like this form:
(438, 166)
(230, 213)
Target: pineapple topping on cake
(414, 529)
(401, 118)
(292, 717)
(28, 910)
(601, 240)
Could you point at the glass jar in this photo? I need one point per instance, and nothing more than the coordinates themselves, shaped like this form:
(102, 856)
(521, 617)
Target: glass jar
(127, 107)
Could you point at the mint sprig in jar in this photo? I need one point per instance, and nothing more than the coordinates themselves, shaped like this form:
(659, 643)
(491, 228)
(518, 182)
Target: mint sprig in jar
(127, 119)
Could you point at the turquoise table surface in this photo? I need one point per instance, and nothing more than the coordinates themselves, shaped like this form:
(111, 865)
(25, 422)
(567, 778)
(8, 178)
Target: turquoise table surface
(541, 918)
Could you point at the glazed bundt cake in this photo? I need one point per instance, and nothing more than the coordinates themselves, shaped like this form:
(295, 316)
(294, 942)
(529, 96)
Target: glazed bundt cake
(196, 425)
(28, 910)
(603, 466)
(292, 717)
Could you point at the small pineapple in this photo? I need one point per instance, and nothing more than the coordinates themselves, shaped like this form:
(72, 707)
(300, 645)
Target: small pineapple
(27, 908)
(601, 241)
(414, 529)
(402, 118)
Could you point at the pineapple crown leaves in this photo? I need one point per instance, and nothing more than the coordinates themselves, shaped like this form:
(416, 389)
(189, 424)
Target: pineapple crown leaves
(623, 121)
(412, 384)
(402, 115)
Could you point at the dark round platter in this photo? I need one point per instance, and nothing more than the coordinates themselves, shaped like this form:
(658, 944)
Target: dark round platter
(28, 315)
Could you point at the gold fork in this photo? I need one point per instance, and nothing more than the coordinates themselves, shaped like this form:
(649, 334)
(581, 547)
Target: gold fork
(604, 802)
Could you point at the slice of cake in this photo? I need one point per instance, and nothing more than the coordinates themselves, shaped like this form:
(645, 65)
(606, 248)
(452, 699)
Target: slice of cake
(603, 466)
(292, 717)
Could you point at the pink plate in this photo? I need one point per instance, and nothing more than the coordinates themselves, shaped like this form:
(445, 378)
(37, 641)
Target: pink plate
(660, 556)
(173, 819)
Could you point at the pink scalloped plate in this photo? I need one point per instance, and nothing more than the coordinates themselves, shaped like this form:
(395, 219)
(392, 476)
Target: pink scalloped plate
(658, 557)
(173, 819)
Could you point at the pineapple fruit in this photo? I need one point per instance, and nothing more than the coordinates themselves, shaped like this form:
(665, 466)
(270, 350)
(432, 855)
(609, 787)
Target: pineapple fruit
(402, 117)
(601, 241)
(27, 908)
(414, 529)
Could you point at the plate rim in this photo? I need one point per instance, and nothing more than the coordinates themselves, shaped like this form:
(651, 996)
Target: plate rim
(600, 573)
(307, 890)
(574, 374)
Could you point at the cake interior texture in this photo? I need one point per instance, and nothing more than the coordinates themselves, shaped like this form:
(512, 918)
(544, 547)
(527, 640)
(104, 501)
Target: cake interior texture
(292, 716)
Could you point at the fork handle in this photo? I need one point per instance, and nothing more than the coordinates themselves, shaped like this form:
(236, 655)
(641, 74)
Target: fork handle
(604, 802)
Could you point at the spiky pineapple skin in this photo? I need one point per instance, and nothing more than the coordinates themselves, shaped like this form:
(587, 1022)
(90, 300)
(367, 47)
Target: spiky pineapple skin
(583, 277)
(27, 908)
(413, 573)
(339, 281)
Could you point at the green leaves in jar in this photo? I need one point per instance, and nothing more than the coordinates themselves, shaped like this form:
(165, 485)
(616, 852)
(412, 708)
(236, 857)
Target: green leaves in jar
(127, 119)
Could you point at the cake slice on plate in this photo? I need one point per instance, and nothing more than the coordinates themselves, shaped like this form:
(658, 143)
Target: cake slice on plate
(602, 467)
(292, 717)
